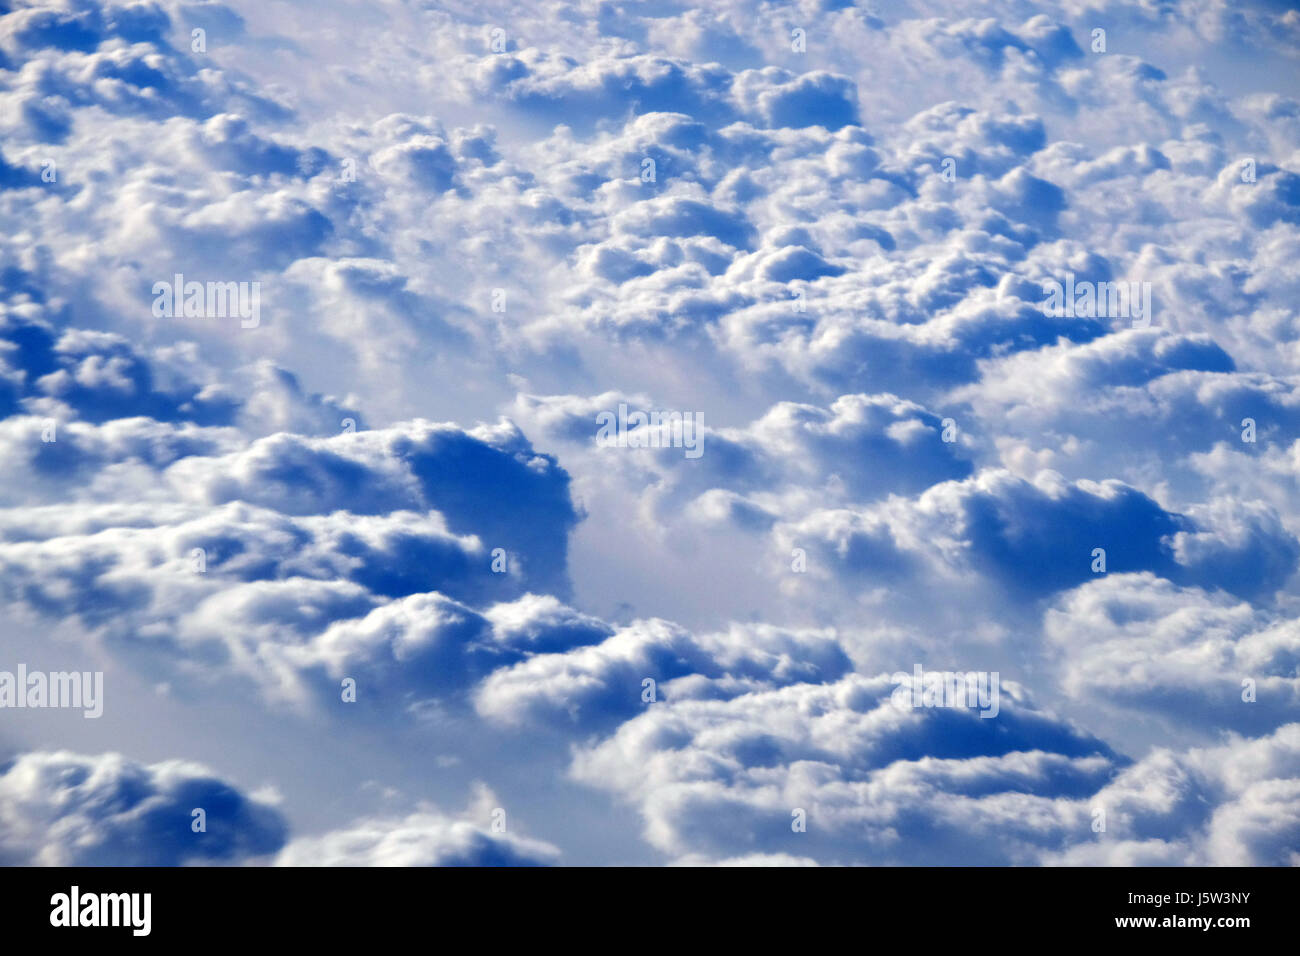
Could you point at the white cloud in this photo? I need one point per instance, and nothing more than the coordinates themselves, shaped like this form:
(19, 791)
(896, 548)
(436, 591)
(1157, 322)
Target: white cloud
(834, 250)
(65, 809)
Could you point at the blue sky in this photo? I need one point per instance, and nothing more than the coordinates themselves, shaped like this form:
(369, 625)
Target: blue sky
(821, 234)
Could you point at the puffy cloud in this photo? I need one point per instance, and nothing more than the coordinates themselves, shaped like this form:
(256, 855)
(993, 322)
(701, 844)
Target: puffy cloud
(66, 809)
(602, 684)
(829, 250)
(1228, 805)
(415, 468)
(881, 784)
(424, 837)
(428, 646)
(996, 525)
(274, 598)
(876, 782)
(784, 99)
(863, 446)
(98, 375)
(1196, 658)
(420, 839)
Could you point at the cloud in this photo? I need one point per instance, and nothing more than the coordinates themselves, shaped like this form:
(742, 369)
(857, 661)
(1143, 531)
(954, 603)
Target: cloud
(1195, 658)
(424, 837)
(604, 683)
(833, 250)
(996, 525)
(876, 783)
(66, 809)
(420, 839)
(862, 446)
(1229, 805)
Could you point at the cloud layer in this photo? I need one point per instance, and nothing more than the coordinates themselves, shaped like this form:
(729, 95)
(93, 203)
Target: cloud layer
(352, 505)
